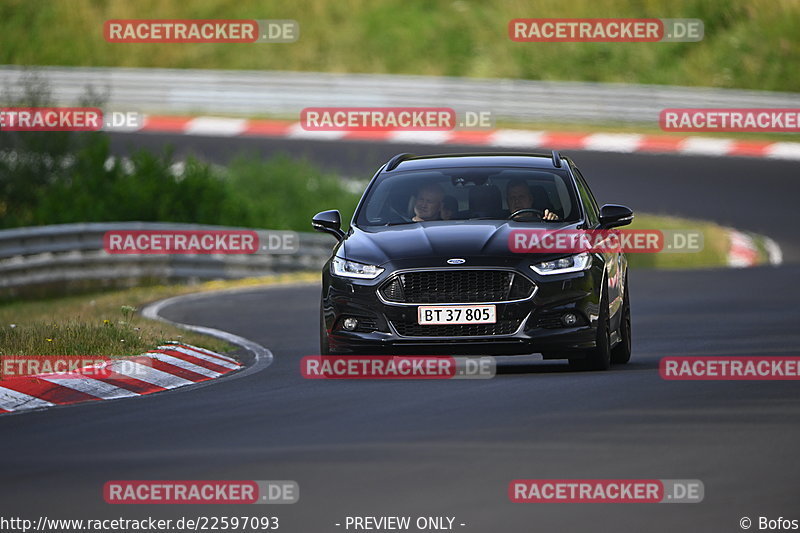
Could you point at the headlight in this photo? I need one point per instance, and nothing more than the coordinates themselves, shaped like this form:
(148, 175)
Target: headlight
(351, 269)
(573, 263)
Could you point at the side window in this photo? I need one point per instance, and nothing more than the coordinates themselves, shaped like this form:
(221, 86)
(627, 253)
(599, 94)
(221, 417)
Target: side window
(587, 199)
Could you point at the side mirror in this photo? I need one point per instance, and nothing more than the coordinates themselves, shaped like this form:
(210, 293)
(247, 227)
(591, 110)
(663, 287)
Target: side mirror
(329, 222)
(612, 216)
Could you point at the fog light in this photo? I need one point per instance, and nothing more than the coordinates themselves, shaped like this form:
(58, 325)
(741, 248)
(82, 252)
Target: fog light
(569, 319)
(350, 323)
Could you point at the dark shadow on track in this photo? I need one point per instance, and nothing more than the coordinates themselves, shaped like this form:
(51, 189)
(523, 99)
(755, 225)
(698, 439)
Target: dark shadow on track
(562, 367)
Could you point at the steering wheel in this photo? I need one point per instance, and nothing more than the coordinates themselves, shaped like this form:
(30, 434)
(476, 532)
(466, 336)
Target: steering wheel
(538, 212)
(402, 217)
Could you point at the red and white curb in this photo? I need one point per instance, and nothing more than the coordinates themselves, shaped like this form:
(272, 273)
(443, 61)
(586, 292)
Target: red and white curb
(168, 367)
(743, 251)
(498, 138)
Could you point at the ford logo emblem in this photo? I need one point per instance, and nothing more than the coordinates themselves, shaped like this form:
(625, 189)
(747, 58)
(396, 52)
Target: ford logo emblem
(456, 261)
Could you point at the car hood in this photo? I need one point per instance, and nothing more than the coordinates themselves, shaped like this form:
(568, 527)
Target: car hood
(468, 238)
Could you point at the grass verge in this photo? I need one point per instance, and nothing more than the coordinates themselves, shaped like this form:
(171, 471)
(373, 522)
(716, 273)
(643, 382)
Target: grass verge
(106, 323)
(747, 43)
(715, 244)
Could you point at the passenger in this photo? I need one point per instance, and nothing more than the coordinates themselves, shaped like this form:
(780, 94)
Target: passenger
(449, 207)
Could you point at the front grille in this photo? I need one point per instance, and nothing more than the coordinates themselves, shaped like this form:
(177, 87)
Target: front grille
(393, 291)
(502, 327)
(456, 286)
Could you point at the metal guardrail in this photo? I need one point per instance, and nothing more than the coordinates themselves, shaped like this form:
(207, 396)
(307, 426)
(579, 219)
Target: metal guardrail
(286, 93)
(67, 254)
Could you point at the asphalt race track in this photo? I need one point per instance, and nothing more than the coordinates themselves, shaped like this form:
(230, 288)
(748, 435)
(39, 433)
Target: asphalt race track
(450, 448)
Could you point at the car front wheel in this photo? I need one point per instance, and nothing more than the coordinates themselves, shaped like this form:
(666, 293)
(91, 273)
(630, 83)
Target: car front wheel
(598, 358)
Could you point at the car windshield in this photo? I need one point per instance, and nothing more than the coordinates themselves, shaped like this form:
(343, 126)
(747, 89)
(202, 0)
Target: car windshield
(483, 193)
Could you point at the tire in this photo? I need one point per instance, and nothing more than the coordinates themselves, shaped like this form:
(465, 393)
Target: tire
(598, 358)
(621, 353)
(324, 346)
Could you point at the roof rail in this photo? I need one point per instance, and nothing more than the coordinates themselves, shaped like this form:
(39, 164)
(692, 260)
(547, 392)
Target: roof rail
(556, 159)
(396, 160)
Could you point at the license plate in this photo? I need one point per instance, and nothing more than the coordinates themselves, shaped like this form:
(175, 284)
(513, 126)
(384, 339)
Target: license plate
(431, 315)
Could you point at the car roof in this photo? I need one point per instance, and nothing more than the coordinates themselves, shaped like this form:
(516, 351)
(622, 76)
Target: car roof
(491, 159)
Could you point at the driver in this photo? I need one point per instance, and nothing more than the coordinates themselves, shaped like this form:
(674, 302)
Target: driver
(519, 196)
(428, 203)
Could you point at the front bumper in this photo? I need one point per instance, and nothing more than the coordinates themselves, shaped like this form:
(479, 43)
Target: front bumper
(524, 327)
